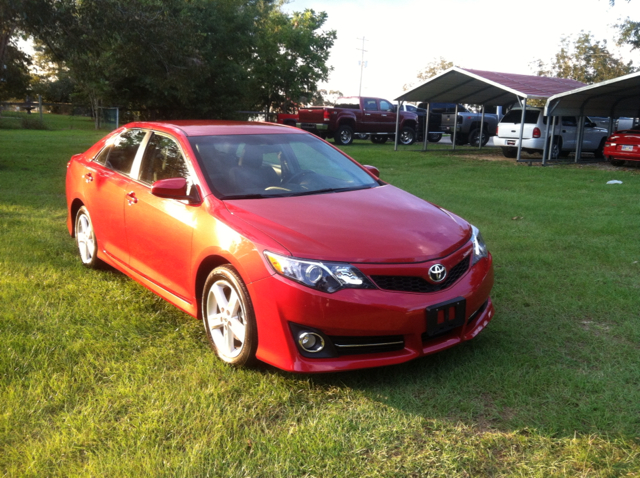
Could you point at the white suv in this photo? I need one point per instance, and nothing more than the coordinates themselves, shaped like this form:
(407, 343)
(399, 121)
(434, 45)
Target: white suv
(535, 125)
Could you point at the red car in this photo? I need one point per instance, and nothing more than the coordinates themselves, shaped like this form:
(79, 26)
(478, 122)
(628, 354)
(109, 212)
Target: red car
(623, 146)
(290, 251)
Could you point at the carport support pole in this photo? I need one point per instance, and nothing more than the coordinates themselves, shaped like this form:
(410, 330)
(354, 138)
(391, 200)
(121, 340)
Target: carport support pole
(395, 148)
(481, 129)
(524, 110)
(579, 136)
(545, 148)
(455, 129)
(426, 128)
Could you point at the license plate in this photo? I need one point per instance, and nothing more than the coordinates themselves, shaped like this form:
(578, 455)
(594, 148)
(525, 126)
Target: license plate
(445, 316)
(626, 147)
(511, 142)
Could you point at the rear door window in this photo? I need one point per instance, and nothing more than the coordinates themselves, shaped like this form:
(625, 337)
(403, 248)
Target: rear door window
(515, 116)
(122, 152)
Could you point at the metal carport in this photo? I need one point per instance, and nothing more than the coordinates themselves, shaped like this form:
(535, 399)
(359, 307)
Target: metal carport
(486, 88)
(611, 98)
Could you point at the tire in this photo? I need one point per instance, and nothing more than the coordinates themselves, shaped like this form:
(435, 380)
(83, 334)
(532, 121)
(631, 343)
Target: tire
(599, 153)
(232, 332)
(555, 151)
(378, 139)
(362, 136)
(510, 152)
(86, 240)
(616, 162)
(434, 137)
(344, 135)
(407, 136)
(474, 136)
(461, 139)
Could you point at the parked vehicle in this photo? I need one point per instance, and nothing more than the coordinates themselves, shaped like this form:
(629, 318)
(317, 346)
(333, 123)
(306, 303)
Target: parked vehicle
(435, 134)
(290, 251)
(373, 116)
(468, 126)
(623, 146)
(626, 123)
(533, 134)
(290, 119)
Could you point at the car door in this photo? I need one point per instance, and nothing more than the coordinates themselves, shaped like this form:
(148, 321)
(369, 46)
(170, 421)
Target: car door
(160, 230)
(387, 117)
(370, 115)
(108, 182)
(569, 129)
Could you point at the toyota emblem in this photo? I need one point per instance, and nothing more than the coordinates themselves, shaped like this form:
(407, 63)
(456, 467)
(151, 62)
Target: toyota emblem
(437, 272)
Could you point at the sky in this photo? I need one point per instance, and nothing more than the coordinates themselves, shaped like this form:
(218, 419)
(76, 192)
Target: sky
(404, 36)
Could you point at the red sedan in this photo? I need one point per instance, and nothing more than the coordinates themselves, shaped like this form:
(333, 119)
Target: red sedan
(290, 251)
(623, 146)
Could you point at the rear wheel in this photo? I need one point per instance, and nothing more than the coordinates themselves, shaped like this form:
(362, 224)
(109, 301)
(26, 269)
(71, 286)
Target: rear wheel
(228, 317)
(599, 153)
(460, 139)
(434, 137)
(474, 137)
(344, 135)
(556, 150)
(86, 239)
(509, 152)
(616, 162)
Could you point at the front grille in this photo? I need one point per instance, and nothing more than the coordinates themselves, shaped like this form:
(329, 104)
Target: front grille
(367, 345)
(419, 284)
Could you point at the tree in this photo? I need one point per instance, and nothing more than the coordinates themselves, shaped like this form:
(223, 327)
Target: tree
(629, 31)
(436, 66)
(325, 98)
(584, 59)
(14, 64)
(177, 58)
(290, 58)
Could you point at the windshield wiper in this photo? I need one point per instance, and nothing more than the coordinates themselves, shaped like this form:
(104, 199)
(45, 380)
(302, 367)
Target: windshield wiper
(246, 196)
(330, 190)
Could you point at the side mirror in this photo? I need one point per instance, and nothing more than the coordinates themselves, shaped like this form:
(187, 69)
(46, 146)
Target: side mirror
(373, 170)
(174, 188)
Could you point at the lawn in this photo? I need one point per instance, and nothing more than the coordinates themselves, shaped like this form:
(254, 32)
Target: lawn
(102, 378)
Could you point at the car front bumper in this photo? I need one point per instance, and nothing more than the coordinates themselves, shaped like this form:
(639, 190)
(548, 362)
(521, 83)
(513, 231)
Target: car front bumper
(366, 328)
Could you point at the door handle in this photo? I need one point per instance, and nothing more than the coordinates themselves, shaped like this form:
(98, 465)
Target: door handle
(87, 177)
(367, 114)
(131, 198)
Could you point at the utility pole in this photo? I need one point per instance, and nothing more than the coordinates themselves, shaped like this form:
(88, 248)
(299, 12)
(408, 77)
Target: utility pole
(361, 63)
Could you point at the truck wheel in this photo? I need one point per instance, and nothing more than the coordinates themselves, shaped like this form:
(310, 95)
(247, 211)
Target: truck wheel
(344, 135)
(616, 162)
(474, 136)
(378, 139)
(434, 137)
(407, 136)
(599, 153)
(460, 139)
(510, 152)
(556, 150)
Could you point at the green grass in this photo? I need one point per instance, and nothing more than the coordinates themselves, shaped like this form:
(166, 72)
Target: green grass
(99, 377)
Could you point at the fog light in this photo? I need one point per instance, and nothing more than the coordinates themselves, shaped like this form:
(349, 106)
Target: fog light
(311, 342)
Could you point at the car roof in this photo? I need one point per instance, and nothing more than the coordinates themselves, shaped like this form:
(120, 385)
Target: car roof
(215, 127)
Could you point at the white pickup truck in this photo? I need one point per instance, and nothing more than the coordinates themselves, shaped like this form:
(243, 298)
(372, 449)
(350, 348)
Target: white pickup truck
(535, 126)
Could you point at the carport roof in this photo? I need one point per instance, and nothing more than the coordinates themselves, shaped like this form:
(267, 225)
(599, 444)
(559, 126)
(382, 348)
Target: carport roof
(614, 98)
(459, 85)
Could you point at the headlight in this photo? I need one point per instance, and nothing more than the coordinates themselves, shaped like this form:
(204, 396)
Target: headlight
(479, 247)
(324, 276)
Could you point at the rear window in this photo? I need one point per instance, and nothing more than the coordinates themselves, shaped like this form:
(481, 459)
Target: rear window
(530, 117)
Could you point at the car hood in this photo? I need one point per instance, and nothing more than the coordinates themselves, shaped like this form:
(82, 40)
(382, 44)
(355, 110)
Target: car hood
(379, 225)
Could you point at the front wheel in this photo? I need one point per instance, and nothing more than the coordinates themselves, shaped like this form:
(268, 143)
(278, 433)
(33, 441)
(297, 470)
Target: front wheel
(344, 135)
(228, 317)
(407, 136)
(86, 239)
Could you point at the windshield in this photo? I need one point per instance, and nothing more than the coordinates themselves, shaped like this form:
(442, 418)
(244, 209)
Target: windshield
(275, 165)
